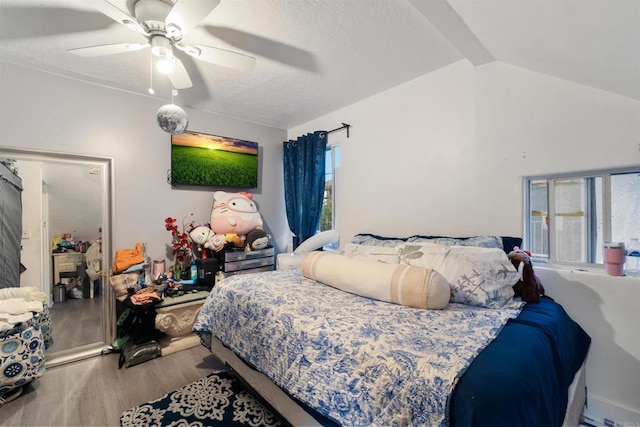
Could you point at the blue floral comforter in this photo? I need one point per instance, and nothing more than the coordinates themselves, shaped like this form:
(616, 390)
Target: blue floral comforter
(355, 360)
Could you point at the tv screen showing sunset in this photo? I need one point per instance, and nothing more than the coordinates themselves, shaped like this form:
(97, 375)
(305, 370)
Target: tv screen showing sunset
(212, 160)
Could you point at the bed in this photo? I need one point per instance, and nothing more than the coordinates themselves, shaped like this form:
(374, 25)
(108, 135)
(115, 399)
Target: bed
(345, 359)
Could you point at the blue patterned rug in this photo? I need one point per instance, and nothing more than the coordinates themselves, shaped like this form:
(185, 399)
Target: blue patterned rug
(215, 400)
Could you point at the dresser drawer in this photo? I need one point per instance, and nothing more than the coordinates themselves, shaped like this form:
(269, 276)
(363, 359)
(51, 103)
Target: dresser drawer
(66, 266)
(248, 264)
(243, 255)
(68, 262)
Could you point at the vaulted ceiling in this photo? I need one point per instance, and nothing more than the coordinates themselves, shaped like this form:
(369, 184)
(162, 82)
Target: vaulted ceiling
(315, 56)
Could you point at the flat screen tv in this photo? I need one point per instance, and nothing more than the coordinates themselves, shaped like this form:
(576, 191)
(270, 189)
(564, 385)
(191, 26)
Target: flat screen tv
(213, 161)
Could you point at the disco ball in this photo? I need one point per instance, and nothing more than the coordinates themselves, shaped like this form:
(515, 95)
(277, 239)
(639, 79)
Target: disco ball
(172, 119)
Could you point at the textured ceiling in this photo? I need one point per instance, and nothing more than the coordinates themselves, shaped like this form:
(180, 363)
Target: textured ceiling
(315, 56)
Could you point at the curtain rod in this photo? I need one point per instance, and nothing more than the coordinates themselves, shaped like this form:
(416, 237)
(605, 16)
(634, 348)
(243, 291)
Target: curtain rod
(344, 126)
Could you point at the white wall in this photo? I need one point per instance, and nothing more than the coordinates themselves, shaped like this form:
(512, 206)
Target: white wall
(607, 308)
(31, 255)
(47, 112)
(446, 153)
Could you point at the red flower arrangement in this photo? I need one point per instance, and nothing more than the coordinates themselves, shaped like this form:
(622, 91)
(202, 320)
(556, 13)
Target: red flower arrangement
(180, 240)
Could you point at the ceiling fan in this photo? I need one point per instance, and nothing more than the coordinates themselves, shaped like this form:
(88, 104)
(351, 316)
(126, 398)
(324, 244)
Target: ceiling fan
(164, 25)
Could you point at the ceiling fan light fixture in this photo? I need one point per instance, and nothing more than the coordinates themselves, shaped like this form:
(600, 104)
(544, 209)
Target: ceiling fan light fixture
(165, 65)
(160, 46)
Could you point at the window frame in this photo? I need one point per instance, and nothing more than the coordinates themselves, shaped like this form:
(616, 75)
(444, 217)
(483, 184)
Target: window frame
(604, 174)
(331, 148)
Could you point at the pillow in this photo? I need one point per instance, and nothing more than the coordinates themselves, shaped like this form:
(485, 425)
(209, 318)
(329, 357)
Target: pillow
(478, 276)
(505, 242)
(399, 284)
(372, 253)
(373, 240)
(480, 241)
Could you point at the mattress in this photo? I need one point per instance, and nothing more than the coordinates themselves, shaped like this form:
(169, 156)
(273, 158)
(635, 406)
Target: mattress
(359, 361)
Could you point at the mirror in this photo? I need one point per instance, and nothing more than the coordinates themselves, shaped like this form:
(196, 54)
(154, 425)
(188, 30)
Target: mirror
(66, 246)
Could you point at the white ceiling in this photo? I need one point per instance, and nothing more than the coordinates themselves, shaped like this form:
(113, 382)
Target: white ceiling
(315, 56)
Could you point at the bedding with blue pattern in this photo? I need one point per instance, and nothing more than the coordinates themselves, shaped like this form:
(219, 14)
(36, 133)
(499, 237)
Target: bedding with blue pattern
(355, 360)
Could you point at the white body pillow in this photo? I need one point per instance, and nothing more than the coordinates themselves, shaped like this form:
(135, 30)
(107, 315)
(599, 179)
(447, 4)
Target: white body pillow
(407, 285)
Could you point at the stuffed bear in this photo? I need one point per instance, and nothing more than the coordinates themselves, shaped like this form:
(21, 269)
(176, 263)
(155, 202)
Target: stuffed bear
(234, 215)
(529, 286)
(256, 239)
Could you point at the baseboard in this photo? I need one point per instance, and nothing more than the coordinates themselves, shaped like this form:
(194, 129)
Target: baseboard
(602, 412)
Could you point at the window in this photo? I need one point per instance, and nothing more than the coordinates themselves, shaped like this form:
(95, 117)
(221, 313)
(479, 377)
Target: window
(332, 166)
(569, 217)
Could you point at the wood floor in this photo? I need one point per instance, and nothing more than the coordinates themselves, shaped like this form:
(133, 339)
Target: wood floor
(76, 322)
(94, 392)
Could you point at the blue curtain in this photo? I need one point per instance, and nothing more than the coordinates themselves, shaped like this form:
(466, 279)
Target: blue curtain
(304, 163)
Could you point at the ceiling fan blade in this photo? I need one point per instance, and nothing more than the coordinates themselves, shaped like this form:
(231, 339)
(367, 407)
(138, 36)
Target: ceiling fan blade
(46, 21)
(267, 48)
(179, 77)
(218, 56)
(186, 14)
(107, 49)
(116, 14)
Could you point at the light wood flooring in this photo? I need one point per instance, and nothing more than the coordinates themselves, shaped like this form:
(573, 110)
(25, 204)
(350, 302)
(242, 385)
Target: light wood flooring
(76, 322)
(94, 392)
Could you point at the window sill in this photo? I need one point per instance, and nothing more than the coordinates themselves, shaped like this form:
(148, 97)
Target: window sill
(581, 270)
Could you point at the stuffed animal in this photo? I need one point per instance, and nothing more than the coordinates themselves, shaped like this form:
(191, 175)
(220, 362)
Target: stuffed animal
(529, 286)
(204, 236)
(234, 215)
(236, 240)
(256, 239)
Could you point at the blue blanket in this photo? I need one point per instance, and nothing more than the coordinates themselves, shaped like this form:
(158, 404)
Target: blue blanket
(538, 353)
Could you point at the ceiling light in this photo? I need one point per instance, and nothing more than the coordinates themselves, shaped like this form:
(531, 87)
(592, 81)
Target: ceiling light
(160, 46)
(165, 65)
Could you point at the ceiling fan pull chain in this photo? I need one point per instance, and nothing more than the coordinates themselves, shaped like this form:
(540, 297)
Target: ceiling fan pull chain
(151, 91)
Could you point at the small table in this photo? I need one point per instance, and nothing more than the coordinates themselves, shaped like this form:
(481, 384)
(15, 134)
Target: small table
(69, 265)
(175, 317)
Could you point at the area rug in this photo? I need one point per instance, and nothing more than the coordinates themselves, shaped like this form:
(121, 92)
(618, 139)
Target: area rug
(215, 400)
